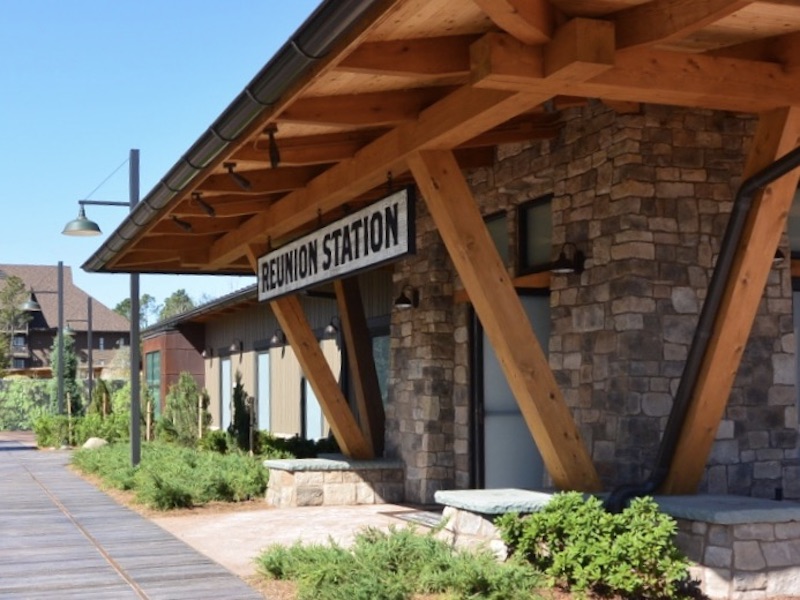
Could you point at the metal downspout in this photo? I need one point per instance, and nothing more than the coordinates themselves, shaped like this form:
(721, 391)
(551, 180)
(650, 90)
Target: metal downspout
(619, 497)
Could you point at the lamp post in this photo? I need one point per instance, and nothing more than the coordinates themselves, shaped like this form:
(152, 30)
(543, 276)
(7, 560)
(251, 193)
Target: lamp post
(81, 226)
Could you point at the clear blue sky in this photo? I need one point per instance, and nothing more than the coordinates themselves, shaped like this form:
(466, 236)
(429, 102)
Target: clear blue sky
(83, 81)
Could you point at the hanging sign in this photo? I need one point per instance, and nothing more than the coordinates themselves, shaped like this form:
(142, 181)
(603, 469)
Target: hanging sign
(379, 233)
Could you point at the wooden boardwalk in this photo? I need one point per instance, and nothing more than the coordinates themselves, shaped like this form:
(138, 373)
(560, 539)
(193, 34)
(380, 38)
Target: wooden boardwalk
(61, 538)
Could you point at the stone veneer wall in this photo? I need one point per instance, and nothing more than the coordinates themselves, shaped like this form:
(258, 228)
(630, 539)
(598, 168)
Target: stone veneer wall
(646, 196)
(420, 414)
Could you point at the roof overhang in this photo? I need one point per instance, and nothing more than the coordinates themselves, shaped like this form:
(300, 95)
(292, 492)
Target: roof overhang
(331, 119)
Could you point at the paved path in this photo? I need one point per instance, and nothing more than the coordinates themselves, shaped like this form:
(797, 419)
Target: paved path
(61, 538)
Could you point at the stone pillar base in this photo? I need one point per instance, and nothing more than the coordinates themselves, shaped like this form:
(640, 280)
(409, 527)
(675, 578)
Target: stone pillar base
(334, 481)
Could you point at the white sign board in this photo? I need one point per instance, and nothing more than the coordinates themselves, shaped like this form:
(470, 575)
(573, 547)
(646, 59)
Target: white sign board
(379, 233)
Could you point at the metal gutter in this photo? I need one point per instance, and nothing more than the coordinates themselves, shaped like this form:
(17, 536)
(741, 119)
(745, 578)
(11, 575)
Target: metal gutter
(311, 42)
(742, 204)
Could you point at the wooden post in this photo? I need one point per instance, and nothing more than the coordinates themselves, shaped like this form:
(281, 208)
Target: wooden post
(200, 416)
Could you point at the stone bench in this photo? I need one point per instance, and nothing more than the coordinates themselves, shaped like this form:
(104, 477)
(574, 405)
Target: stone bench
(334, 480)
(741, 547)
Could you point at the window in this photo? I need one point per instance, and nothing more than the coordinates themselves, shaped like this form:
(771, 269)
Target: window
(497, 225)
(535, 235)
(19, 363)
(19, 341)
(152, 369)
(101, 343)
(226, 393)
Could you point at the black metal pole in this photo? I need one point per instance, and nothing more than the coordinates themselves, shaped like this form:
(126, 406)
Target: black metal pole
(136, 407)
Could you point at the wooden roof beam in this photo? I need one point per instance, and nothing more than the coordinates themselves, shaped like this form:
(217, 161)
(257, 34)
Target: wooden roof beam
(530, 21)
(662, 21)
(371, 110)
(778, 133)
(496, 303)
(502, 63)
(435, 57)
(464, 114)
(331, 399)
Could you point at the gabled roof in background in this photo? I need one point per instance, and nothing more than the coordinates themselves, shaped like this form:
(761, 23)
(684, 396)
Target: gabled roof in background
(363, 84)
(229, 303)
(43, 280)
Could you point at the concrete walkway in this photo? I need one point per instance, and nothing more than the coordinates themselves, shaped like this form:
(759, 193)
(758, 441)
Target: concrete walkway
(61, 538)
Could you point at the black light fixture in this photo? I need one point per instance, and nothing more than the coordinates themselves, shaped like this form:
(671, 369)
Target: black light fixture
(185, 225)
(565, 265)
(278, 339)
(236, 346)
(207, 208)
(332, 329)
(240, 180)
(31, 304)
(274, 152)
(408, 298)
(207, 353)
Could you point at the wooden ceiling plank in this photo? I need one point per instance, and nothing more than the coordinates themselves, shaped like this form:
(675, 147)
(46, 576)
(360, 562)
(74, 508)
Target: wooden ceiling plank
(461, 116)
(530, 21)
(502, 63)
(372, 109)
(224, 207)
(358, 344)
(331, 399)
(662, 21)
(459, 222)
(778, 133)
(262, 181)
(418, 58)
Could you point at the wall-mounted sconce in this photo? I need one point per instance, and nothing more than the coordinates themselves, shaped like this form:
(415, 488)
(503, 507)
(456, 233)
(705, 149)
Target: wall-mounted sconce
(236, 346)
(240, 179)
(207, 353)
(568, 262)
(278, 339)
(778, 258)
(408, 298)
(185, 225)
(197, 197)
(332, 329)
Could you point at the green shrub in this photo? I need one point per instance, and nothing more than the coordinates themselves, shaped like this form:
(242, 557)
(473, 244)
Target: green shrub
(579, 545)
(396, 566)
(21, 400)
(114, 427)
(52, 431)
(297, 447)
(214, 441)
(172, 476)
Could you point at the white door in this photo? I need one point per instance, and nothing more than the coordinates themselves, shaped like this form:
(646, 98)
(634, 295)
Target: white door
(312, 413)
(263, 411)
(510, 456)
(226, 389)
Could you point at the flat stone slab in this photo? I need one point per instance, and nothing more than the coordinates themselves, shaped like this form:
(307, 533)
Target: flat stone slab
(332, 462)
(493, 502)
(728, 510)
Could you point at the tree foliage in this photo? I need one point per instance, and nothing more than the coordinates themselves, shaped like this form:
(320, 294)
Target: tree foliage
(72, 387)
(240, 423)
(12, 317)
(148, 309)
(178, 303)
(181, 414)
